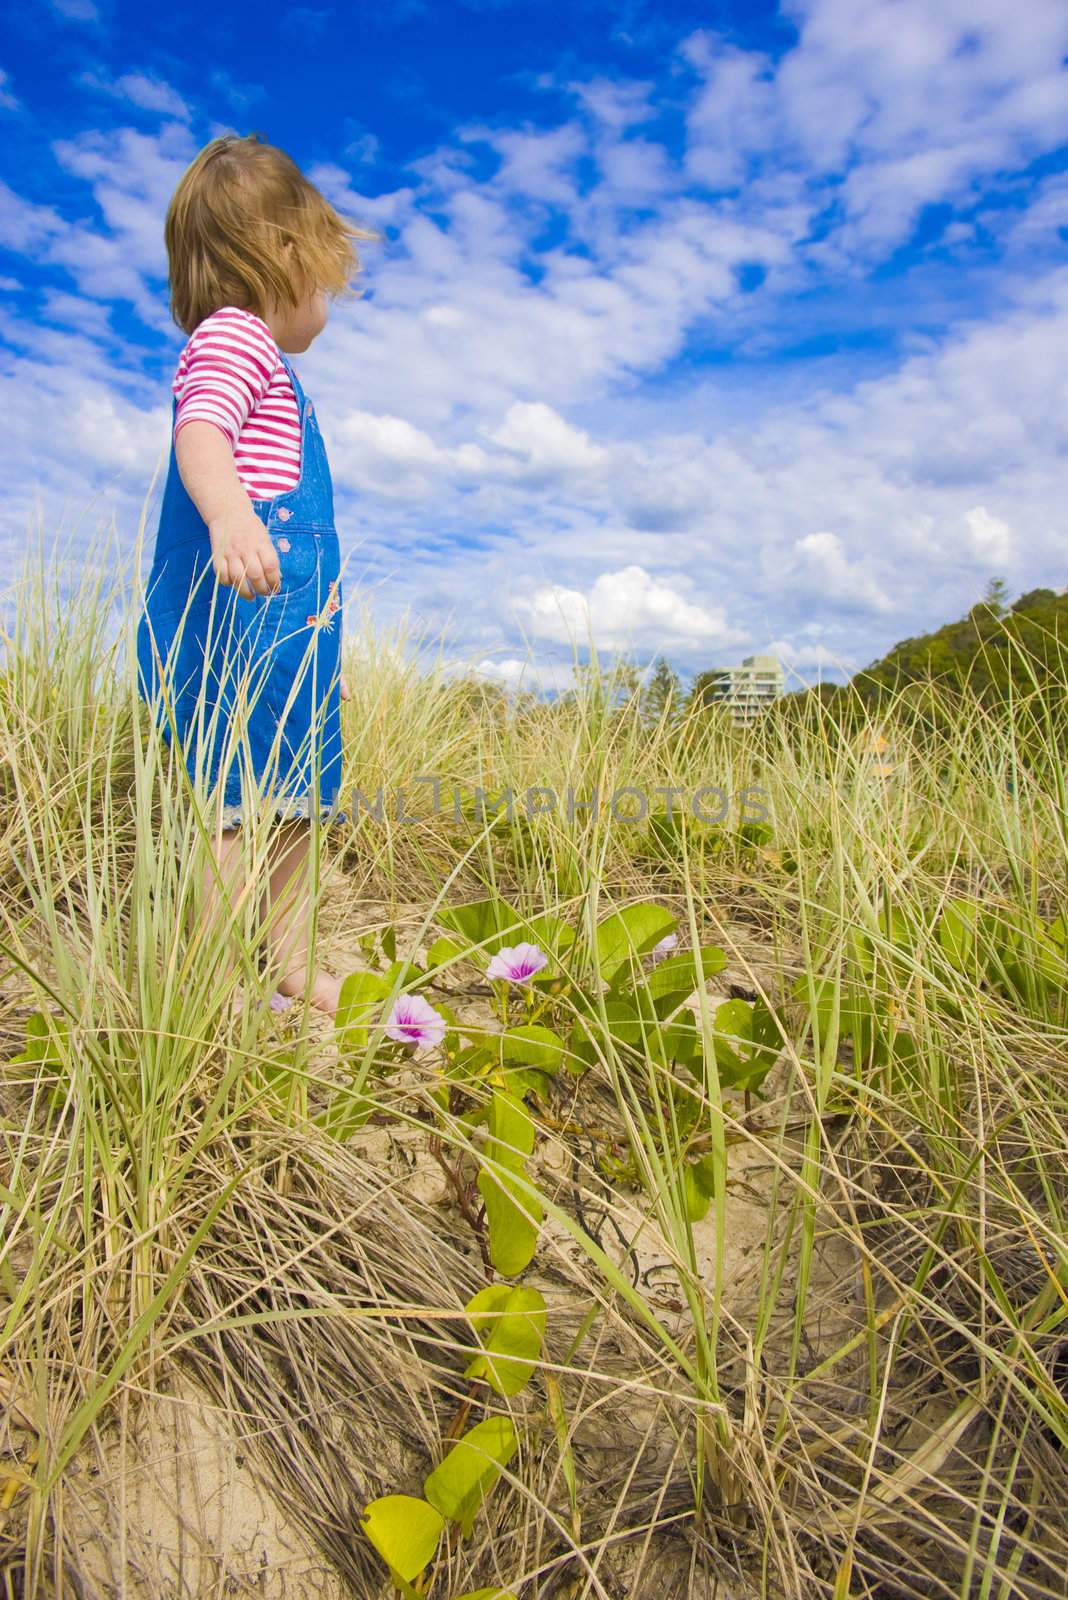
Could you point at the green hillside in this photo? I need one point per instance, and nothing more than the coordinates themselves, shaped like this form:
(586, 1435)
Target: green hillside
(988, 652)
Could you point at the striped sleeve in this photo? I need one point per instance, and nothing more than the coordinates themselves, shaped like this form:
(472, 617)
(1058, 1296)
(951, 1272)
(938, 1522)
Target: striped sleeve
(224, 371)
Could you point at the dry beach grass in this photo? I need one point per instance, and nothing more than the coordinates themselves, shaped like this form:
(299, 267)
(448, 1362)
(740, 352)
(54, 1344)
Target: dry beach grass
(226, 1329)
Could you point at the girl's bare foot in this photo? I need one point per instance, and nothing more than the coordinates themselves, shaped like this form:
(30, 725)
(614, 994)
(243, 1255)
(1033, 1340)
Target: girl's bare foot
(324, 993)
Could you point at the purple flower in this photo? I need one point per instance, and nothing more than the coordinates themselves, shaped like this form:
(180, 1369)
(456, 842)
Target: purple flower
(518, 964)
(279, 1002)
(667, 943)
(413, 1021)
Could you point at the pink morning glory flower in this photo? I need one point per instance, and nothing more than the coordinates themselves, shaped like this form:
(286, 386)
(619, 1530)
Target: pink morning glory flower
(518, 964)
(667, 944)
(413, 1021)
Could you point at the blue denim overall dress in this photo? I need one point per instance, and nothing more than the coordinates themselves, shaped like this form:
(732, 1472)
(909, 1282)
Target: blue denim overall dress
(273, 661)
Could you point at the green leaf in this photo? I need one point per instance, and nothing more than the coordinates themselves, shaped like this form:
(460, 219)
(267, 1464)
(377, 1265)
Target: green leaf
(957, 928)
(513, 1218)
(443, 950)
(469, 1062)
(697, 1200)
(279, 1074)
(632, 931)
(520, 1081)
(511, 1131)
(898, 926)
(403, 976)
(704, 1173)
(385, 940)
(460, 1484)
(743, 1062)
(47, 1045)
(682, 1042)
(897, 929)
(588, 1040)
(1022, 954)
(512, 1215)
(734, 1018)
(677, 976)
(405, 1531)
(550, 932)
(531, 1045)
(766, 1030)
(858, 1014)
(482, 921)
(47, 1038)
(510, 1324)
(362, 993)
(487, 1594)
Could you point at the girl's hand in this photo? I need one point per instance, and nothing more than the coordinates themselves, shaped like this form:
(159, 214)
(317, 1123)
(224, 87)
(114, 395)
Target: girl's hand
(242, 553)
(346, 692)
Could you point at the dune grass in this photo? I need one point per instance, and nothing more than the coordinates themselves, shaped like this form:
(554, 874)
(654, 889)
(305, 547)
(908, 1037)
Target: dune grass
(847, 1379)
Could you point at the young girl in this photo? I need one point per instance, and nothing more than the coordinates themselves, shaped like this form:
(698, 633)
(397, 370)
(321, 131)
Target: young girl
(242, 622)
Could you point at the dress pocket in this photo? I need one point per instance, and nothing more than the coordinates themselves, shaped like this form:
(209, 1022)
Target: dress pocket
(299, 556)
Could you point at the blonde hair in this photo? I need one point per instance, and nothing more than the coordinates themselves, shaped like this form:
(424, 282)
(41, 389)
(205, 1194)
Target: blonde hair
(245, 227)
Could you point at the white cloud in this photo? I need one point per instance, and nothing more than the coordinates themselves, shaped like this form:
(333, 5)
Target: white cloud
(25, 226)
(617, 104)
(623, 609)
(516, 673)
(818, 567)
(991, 537)
(810, 656)
(77, 10)
(140, 89)
(533, 162)
(8, 101)
(509, 419)
(397, 460)
(93, 460)
(543, 447)
(133, 176)
(90, 317)
(532, 446)
(914, 103)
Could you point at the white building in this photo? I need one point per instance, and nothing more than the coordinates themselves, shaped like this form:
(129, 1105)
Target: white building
(749, 689)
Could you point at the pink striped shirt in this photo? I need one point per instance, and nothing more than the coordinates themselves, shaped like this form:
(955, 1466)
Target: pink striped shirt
(231, 373)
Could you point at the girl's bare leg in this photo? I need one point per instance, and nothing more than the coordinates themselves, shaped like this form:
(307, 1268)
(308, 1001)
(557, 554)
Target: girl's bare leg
(226, 850)
(285, 914)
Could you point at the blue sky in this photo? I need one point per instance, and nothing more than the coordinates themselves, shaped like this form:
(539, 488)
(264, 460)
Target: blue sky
(697, 330)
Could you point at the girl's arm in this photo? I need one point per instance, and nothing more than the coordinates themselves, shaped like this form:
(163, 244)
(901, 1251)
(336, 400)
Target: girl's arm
(242, 553)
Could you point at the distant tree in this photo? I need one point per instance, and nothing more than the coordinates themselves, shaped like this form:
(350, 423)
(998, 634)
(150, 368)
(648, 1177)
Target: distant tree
(661, 699)
(481, 695)
(985, 655)
(704, 689)
(1035, 599)
(996, 596)
(607, 686)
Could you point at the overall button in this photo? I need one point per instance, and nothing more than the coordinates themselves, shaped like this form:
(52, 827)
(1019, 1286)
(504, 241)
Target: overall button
(284, 513)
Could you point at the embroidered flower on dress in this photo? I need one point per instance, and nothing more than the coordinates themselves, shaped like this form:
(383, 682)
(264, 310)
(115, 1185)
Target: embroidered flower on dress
(333, 604)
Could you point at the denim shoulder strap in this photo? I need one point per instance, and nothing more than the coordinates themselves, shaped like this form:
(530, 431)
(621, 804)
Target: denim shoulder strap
(297, 390)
